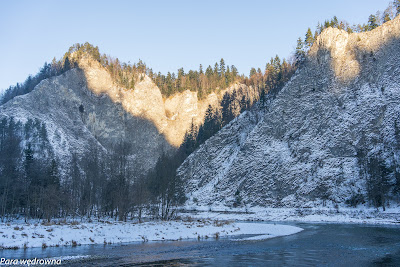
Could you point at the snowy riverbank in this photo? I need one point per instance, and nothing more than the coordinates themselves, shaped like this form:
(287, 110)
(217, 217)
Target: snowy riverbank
(21, 235)
(201, 223)
(361, 215)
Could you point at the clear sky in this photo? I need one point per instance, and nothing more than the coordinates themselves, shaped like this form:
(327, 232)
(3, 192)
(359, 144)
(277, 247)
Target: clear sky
(166, 35)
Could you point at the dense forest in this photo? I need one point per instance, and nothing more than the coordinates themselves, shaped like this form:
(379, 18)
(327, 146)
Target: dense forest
(99, 183)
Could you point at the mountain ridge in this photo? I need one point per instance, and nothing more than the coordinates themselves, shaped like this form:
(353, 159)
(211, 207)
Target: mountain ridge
(317, 139)
(85, 108)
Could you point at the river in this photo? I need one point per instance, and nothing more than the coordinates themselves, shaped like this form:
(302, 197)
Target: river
(317, 245)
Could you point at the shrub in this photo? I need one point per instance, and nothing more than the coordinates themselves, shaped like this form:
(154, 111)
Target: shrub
(355, 200)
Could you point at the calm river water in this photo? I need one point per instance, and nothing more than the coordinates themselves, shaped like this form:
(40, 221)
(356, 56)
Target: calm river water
(317, 245)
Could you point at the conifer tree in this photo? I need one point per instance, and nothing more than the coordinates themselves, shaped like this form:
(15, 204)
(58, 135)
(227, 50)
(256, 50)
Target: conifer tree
(300, 53)
(315, 35)
(252, 72)
(334, 22)
(309, 39)
(67, 64)
(209, 71)
(372, 22)
(234, 71)
(386, 17)
(222, 67)
(216, 68)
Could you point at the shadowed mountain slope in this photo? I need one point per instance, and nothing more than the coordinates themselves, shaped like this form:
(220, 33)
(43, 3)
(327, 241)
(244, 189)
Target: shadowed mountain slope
(84, 110)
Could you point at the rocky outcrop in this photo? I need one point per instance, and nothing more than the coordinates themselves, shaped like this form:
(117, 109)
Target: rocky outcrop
(310, 144)
(347, 53)
(84, 109)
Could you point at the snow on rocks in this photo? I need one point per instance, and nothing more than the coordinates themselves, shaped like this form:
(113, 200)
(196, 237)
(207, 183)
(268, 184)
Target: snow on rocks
(307, 144)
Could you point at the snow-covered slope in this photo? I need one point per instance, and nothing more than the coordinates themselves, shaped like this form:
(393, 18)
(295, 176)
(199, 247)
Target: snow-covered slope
(340, 109)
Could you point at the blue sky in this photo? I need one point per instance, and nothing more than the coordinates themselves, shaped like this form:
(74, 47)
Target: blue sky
(166, 35)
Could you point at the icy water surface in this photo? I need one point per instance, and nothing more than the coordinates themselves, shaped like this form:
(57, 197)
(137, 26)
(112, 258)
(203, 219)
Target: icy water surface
(317, 245)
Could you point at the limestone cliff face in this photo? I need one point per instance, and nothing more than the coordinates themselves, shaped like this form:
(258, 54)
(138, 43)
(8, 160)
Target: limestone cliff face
(304, 148)
(184, 108)
(347, 53)
(172, 116)
(181, 110)
(84, 109)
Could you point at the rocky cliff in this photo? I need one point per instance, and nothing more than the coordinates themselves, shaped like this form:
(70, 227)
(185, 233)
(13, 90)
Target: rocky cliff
(84, 109)
(314, 143)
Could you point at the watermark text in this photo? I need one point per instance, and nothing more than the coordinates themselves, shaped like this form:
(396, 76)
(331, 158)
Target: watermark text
(29, 262)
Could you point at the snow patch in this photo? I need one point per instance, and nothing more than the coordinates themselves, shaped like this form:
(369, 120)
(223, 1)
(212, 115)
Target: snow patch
(20, 235)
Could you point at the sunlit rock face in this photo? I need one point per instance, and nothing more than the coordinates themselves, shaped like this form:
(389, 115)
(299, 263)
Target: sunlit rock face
(304, 147)
(347, 53)
(85, 110)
